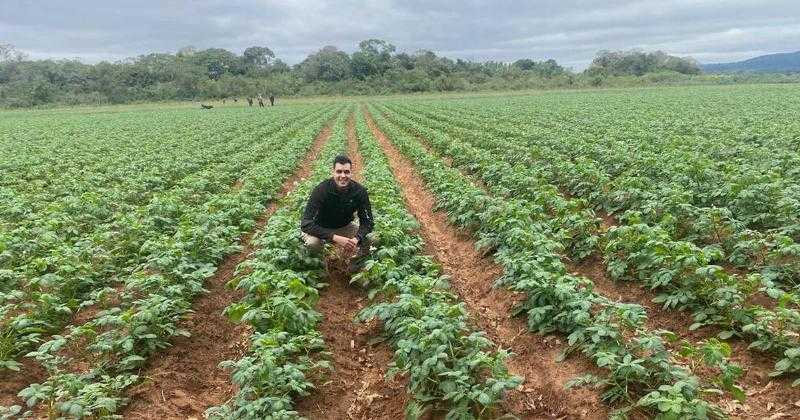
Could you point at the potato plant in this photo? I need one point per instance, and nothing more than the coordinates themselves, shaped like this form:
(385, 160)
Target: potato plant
(610, 333)
(281, 285)
(58, 257)
(450, 366)
(208, 216)
(721, 190)
(685, 276)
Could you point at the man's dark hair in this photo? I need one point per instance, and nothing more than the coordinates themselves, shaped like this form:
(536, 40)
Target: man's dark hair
(342, 159)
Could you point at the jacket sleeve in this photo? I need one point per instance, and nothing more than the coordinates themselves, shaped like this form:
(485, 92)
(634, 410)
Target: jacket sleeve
(307, 223)
(365, 222)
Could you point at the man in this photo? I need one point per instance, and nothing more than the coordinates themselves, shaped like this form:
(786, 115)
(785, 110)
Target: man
(271, 100)
(328, 215)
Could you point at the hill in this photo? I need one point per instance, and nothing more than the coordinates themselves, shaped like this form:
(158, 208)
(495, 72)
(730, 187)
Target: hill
(770, 63)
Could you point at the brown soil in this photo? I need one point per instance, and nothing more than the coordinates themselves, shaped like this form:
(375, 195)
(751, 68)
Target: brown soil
(766, 397)
(13, 382)
(185, 380)
(357, 387)
(607, 220)
(542, 395)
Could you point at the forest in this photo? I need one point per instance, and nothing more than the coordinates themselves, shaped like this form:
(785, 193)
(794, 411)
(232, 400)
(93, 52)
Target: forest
(376, 67)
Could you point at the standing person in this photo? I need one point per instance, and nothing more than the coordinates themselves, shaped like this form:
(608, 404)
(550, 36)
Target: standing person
(249, 101)
(271, 100)
(328, 215)
(260, 101)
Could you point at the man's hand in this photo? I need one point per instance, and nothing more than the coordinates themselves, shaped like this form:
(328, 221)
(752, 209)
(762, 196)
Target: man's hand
(350, 244)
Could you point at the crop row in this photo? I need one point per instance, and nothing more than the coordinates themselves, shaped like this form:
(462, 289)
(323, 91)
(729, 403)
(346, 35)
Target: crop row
(62, 260)
(640, 371)
(741, 199)
(57, 261)
(737, 152)
(450, 366)
(281, 285)
(683, 274)
(126, 158)
(91, 365)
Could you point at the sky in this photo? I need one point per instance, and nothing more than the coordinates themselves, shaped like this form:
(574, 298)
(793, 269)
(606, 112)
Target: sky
(569, 31)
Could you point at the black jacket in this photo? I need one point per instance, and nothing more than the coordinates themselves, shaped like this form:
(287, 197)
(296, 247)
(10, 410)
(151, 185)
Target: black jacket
(328, 209)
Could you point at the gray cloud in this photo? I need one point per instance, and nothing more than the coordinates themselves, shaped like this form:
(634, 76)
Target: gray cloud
(570, 31)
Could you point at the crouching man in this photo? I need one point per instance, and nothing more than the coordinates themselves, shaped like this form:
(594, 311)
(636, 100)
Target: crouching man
(328, 215)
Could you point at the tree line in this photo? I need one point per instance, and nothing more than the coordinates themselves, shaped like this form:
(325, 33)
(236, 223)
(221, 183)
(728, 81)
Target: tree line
(375, 68)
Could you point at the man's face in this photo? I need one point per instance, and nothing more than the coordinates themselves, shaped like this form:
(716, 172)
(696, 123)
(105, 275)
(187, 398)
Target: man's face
(342, 174)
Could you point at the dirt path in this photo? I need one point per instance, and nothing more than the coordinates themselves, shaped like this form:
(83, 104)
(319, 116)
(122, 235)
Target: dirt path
(357, 388)
(472, 275)
(185, 380)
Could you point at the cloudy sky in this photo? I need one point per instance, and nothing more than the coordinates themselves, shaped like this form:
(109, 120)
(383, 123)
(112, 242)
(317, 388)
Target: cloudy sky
(570, 31)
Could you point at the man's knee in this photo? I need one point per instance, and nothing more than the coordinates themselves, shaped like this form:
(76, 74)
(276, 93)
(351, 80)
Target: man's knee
(313, 243)
(348, 231)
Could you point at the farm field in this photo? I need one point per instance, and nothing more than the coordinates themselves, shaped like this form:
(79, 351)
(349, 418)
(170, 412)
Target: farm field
(568, 254)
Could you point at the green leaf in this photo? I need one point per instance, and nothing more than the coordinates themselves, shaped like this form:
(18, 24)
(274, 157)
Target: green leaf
(724, 335)
(485, 399)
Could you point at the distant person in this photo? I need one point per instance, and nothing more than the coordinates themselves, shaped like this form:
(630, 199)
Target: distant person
(271, 100)
(250, 101)
(223, 101)
(260, 102)
(328, 215)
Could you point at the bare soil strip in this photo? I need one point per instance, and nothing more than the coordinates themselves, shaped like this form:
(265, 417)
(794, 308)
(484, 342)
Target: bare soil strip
(542, 395)
(357, 388)
(185, 380)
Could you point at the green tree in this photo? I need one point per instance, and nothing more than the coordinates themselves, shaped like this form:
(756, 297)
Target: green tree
(638, 63)
(258, 57)
(279, 66)
(186, 52)
(525, 64)
(404, 61)
(217, 61)
(434, 66)
(374, 57)
(328, 64)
